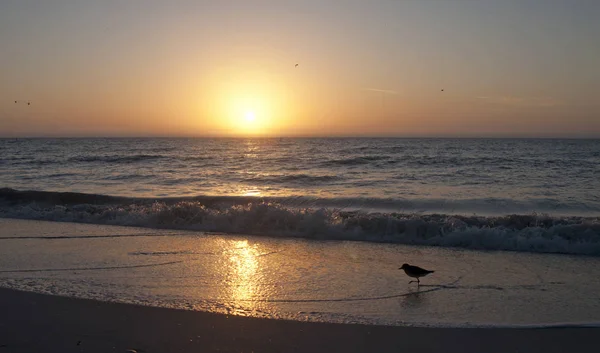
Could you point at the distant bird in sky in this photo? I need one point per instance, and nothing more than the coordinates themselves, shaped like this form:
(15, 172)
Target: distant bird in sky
(296, 65)
(442, 90)
(414, 272)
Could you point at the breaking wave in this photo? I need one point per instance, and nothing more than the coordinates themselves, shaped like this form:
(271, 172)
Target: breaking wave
(290, 217)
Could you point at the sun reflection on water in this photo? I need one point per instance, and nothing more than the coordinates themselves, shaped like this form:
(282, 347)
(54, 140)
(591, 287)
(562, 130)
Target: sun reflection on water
(251, 192)
(245, 276)
(252, 149)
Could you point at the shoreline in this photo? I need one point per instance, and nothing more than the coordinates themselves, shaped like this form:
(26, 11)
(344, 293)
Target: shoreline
(32, 322)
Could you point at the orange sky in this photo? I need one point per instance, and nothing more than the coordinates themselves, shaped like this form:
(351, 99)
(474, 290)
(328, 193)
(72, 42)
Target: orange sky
(200, 68)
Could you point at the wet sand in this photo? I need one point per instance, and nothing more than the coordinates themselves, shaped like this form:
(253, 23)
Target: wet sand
(32, 322)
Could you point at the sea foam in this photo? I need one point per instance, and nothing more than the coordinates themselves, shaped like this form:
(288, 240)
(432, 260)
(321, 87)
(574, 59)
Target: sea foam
(276, 218)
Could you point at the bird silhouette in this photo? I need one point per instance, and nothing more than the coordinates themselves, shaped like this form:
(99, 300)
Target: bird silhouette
(415, 272)
(296, 65)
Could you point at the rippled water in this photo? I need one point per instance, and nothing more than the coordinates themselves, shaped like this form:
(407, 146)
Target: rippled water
(493, 194)
(421, 201)
(534, 175)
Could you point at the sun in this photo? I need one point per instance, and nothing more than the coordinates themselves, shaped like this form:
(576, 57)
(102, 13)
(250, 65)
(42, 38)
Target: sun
(249, 116)
(246, 104)
(250, 121)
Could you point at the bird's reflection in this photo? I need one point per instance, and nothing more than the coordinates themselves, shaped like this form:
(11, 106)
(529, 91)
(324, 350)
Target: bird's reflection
(413, 299)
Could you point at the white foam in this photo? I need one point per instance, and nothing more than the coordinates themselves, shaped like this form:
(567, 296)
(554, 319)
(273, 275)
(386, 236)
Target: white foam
(529, 233)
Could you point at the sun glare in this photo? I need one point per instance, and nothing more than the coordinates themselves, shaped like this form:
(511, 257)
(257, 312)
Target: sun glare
(250, 116)
(247, 103)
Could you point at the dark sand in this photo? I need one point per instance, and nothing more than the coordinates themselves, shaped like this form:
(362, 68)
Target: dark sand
(41, 323)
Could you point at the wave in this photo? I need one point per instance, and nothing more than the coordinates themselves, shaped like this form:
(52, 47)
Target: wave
(83, 159)
(32, 161)
(421, 161)
(481, 206)
(116, 158)
(529, 232)
(165, 253)
(195, 158)
(14, 158)
(293, 178)
(355, 160)
(89, 268)
(60, 175)
(128, 177)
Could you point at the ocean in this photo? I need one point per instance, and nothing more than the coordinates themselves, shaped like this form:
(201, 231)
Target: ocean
(310, 229)
(537, 195)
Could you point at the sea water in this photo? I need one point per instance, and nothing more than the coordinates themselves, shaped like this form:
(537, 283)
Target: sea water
(310, 229)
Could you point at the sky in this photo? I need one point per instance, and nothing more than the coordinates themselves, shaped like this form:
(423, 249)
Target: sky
(364, 68)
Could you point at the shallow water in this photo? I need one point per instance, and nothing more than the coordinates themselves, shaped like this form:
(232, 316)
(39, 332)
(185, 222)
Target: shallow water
(332, 281)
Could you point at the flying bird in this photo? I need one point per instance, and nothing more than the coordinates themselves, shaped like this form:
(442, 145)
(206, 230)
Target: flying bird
(442, 90)
(296, 65)
(414, 272)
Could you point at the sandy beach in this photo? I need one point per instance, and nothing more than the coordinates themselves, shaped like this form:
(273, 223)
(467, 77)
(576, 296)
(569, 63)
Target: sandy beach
(41, 323)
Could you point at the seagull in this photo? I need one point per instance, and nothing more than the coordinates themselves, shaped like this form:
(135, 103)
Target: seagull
(414, 272)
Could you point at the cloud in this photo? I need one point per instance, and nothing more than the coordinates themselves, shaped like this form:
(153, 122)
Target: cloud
(522, 101)
(388, 91)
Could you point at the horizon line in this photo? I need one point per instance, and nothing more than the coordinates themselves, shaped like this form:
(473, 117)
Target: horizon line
(529, 137)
